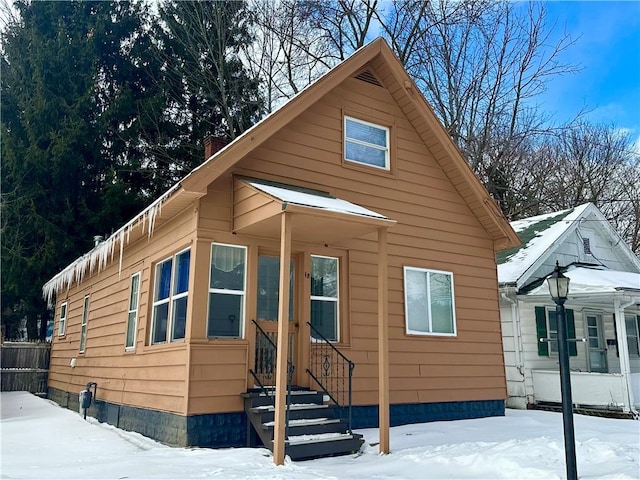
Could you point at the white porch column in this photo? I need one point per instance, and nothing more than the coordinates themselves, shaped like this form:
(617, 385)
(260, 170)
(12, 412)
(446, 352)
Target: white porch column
(623, 350)
(383, 342)
(283, 341)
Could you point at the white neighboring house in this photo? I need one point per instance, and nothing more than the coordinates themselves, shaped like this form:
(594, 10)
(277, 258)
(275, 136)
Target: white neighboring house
(603, 312)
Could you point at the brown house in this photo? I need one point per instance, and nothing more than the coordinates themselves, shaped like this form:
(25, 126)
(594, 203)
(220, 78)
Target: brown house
(354, 188)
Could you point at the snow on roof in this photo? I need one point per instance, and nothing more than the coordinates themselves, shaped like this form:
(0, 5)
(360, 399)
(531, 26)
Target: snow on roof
(591, 280)
(311, 198)
(538, 234)
(98, 257)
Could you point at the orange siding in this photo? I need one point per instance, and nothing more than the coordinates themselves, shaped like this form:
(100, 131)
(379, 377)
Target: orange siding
(435, 229)
(153, 376)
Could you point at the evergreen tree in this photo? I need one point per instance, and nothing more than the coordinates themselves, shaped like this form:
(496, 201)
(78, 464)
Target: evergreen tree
(75, 98)
(208, 88)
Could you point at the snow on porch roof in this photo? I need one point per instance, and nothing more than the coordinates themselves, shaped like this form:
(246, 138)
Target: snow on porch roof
(311, 198)
(538, 235)
(591, 280)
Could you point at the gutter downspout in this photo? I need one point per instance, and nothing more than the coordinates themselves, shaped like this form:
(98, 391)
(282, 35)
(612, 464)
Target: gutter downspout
(623, 349)
(517, 338)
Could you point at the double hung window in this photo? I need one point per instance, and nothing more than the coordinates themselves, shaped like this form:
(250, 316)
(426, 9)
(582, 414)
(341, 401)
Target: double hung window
(171, 291)
(132, 318)
(227, 291)
(62, 324)
(325, 297)
(83, 326)
(429, 302)
(547, 331)
(366, 143)
(632, 322)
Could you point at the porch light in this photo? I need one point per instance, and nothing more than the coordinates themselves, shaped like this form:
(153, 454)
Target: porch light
(559, 290)
(558, 285)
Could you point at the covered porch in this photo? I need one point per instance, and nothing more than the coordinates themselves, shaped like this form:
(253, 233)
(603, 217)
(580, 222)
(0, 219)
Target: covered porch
(295, 215)
(605, 374)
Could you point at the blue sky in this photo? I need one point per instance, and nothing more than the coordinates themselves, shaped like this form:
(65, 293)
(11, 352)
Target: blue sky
(607, 47)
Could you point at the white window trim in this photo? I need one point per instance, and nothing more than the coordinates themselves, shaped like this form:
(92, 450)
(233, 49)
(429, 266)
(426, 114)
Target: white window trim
(553, 351)
(335, 299)
(225, 291)
(130, 311)
(430, 333)
(62, 322)
(170, 299)
(386, 149)
(83, 325)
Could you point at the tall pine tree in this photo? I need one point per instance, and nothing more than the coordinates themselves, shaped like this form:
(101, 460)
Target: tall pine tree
(76, 102)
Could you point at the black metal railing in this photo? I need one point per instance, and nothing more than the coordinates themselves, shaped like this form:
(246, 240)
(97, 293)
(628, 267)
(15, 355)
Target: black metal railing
(265, 369)
(332, 371)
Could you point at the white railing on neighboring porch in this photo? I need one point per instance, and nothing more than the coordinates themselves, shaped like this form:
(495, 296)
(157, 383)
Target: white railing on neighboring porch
(635, 388)
(605, 390)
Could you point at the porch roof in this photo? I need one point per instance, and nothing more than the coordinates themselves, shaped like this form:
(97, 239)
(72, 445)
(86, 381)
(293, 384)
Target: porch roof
(322, 217)
(596, 283)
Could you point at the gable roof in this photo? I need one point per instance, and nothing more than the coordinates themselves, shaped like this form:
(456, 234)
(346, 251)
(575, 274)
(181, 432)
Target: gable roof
(540, 235)
(377, 56)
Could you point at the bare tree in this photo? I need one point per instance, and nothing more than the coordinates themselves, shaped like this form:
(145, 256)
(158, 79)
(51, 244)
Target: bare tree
(483, 66)
(596, 163)
(286, 53)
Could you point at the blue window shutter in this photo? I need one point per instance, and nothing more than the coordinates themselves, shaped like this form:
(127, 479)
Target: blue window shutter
(541, 331)
(571, 333)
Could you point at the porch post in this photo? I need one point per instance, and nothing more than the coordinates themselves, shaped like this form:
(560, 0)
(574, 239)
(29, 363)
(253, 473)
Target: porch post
(383, 342)
(283, 341)
(623, 351)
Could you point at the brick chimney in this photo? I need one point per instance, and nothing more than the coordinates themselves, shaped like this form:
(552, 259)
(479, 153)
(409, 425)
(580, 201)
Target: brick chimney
(213, 144)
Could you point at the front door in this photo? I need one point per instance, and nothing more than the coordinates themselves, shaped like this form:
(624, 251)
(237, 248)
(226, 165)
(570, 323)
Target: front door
(595, 340)
(267, 316)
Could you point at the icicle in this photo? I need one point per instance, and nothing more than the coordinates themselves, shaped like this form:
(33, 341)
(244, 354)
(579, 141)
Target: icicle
(98, 257)
(121, 253)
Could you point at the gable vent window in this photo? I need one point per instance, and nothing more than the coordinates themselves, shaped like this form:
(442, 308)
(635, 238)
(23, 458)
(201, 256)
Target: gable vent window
(367, 76)
(366, 143)
(586, 245)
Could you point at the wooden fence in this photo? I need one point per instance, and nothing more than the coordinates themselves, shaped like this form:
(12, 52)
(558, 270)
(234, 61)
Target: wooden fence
(25, 367)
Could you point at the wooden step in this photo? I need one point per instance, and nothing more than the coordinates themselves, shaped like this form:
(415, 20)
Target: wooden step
(307, 447)
(255, 399)
(311, 426)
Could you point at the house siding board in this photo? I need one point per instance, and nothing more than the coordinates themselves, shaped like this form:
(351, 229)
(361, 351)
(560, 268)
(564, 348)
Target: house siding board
(154, 375)
(436, 229)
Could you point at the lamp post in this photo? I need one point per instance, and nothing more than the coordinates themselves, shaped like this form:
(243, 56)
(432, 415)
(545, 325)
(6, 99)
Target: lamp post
(559, 290)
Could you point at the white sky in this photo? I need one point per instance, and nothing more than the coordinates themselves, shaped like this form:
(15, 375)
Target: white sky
(40, 440)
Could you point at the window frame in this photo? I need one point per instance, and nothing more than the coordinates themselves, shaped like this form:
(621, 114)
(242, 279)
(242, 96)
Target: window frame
(169, 299)
(635, 335)
(130, 311)
(178, 296)
(336, 299)
(553, 340)
(84, 324)
(429, 333)
(225, 291)
(386, 149)
(62, 320)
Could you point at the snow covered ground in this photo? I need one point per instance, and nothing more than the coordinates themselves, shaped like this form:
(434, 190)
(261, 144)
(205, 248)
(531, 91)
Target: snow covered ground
(41, 440)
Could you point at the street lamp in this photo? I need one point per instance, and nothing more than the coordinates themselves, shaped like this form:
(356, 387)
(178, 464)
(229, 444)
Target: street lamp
(559, 290)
